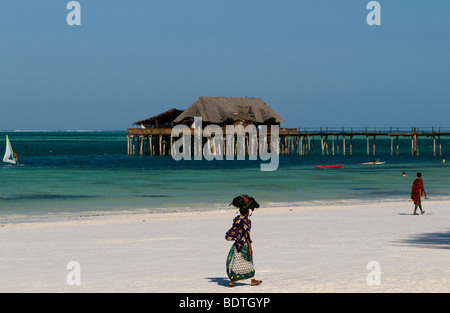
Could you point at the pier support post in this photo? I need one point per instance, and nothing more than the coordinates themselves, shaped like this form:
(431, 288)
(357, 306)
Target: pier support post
(308, 151)
(337, 144)
(373, 149)
(414, 145)
(301, 145)
(141, 145)
(367, 137)
(351, 145)
(434, 145)
(321, 144)
(332, 144)
(440, 146)
(396, 142)
(417, 145)
(343, 144)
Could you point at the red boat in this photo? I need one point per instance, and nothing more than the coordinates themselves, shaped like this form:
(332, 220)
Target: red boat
(330, 166)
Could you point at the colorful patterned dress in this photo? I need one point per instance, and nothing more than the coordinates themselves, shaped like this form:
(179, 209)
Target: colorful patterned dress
(239, 263)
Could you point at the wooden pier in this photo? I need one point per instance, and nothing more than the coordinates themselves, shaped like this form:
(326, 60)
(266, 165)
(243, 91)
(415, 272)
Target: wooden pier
(158, 141)
(149, 141)
(299, 141)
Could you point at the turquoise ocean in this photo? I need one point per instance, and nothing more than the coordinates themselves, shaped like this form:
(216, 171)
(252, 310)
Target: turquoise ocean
(89, 172)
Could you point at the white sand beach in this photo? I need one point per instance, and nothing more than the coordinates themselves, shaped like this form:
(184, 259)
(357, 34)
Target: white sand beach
(311, 248)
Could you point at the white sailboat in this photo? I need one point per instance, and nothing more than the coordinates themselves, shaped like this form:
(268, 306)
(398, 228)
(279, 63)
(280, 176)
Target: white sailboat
(9, 153)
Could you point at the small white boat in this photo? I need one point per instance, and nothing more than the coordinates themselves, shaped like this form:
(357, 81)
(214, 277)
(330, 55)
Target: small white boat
(9, 153)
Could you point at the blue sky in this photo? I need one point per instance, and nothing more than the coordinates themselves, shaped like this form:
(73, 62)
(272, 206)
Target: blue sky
(316, 62)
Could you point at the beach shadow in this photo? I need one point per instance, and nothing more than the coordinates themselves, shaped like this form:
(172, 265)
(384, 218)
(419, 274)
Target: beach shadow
(221, 281)
(430, 240)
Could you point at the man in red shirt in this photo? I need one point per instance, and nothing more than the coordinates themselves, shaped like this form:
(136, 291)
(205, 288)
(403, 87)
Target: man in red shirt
(416, 193)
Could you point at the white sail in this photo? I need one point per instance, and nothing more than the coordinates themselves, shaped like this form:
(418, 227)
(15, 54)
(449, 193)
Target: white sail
(9, 154)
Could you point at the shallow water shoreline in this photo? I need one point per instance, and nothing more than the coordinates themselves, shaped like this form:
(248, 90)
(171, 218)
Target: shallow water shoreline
(273, 207)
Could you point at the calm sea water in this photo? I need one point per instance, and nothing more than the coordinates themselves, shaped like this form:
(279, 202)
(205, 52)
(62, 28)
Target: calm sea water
(73, 172)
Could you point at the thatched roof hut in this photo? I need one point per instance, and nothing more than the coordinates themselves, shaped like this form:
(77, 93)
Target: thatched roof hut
(163, 120)
(229, 110)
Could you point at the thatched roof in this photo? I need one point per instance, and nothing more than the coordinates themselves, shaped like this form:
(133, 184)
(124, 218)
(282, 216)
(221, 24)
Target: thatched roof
(220, 110)
(165, 119)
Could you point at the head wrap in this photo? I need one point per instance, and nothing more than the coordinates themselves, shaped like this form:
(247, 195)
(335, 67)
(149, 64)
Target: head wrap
(245, 202)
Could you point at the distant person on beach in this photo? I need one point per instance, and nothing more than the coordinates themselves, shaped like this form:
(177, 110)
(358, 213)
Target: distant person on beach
(404, 174)
(416, 193)
(240, 258)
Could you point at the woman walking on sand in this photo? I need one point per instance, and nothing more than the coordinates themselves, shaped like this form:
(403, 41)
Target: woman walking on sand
(240, 258)
(416, 193)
